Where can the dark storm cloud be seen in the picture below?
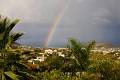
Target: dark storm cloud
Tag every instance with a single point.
(84, 19)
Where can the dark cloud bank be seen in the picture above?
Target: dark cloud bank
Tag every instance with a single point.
(88, 20)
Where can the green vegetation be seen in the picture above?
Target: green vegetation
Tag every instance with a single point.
(75, 62)
(10, 66)
(7, 38)
(81, 53)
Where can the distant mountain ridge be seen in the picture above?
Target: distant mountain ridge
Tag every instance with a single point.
(106, 45)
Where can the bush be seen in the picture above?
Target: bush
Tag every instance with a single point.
(106, 69)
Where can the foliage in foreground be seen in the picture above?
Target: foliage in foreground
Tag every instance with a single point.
(81, 53)
(7, 38)
(10, 66)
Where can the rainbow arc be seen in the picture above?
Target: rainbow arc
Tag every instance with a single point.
(55, 25)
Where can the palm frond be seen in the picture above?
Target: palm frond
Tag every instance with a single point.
(12, 38)
(6, 26)
(26, 75)
(3, 77)
(80, 52)
(16, 36)
(3, 24)
(11, 26)
(11, 75)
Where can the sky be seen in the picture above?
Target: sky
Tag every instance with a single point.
(83, 19)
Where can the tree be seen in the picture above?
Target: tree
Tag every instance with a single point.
(54, 62)
(7, 38)
(80, 53)
(9, 61)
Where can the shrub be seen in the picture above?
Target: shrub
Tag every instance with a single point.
(106, 69)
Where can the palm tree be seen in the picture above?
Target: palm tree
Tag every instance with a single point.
(6, 36)
(9, 61)
(6, 39)
(80, 53)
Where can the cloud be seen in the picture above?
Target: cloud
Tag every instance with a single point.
(85, 19)
(101, 16)
(33, 10)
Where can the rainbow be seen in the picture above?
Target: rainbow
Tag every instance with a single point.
(54, 26)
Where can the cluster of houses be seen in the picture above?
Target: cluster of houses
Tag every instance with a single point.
(47, 52)
(105, 51)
